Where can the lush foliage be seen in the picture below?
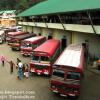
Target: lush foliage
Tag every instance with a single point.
(18, 5)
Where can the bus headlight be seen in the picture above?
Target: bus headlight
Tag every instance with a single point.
(46, 72)
(32, 70)
(39, 73)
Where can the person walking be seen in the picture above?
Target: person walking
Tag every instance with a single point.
(2, 58)
(11, 66)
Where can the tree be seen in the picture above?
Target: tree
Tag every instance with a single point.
(22, 5)
(19, 5)
(7, 4)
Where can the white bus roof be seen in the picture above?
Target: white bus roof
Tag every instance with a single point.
(34, 38)
(70, 57)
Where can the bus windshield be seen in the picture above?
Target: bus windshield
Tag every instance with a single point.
(35, 58)
(34, 46)
(26, 45)
(73, 75)
(58, 73)
(41, 59)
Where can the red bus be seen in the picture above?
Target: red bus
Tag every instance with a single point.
(11, 35)
(6, 30)
(16, 41)
(44, 56)
(68, 71)
(29, 44)
(15, 33)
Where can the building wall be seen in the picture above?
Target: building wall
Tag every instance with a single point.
(94, 42)
(36, 30)
(46, 32)
(24, 28)
(59, 34)
(29, 29)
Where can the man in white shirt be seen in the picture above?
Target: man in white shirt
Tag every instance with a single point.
(20, 64)
(20, 73)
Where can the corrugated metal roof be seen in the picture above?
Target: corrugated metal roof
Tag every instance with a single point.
(61, 6)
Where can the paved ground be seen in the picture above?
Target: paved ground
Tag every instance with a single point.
(36, 87)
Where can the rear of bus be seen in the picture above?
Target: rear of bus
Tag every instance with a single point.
(29, 44)
(44, 56)
(68, 71)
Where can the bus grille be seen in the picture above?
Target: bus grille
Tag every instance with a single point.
(64, 88)
(39, 67)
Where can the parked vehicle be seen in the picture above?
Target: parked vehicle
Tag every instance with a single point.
(29, 44)
(16, 41)
(7, 30)
(44, 56)
(2, 36)
(17, 28)
(12, 35)
(68, 71)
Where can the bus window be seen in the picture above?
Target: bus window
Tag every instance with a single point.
(34, 46)
(58, 73)
(73, 75)
(45, 59)
(26, 45)
(35, 58)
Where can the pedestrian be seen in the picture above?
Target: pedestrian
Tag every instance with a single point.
(11, 66)
(20, 72)
(23, 68)
(26, 73)
(2, 58)
(18, 60)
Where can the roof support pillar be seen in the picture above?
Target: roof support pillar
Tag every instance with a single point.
(89, 16)
(34, 22)
(45, 21)
(61, 22)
